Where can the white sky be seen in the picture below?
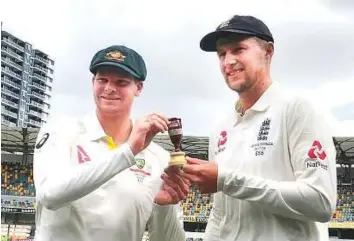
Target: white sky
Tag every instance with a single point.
(314, 55)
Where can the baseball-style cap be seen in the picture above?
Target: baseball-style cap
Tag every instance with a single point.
(121, 57)
(243, 25)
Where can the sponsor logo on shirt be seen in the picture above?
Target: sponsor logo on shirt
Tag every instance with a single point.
(317, 155)
(82, 155)
(262, 144)
(221, 142)
(141, 169)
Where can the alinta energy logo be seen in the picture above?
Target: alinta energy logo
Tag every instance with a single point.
(317, 155)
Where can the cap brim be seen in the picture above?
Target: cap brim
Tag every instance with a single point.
(94, 68)
(208, 42)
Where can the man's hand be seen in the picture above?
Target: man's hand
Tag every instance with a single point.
(203, 174)
(174, 187)
(144, 130)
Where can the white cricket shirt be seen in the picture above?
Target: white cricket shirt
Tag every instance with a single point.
(277, 173)
(87, 189)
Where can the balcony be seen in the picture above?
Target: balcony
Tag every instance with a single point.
(10, 83)
(41, 87)
(42, 60)
(40, 68)
(11, 73)
(35, 123)
(7, 123)
(13, 44)
(37, 95)
(8, 113)
(9, 103)
(36, 114)
(36, 104)
(39, 77)
(11, 53)
(10, 93)
(11, 63)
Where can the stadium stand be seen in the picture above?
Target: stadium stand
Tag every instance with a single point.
(18, 191)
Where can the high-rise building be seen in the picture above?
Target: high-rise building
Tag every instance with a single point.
(26, 83)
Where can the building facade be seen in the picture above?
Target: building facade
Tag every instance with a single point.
(26, 83)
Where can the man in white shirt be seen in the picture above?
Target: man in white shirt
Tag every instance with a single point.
(272, 160)
(99, 177)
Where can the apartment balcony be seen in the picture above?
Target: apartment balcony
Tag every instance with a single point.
(9, 103)
(40, 68)
(35, 113)
(11, 63)
(39, 96)
(11, 53)
(41, 87)
(42, 60)
(8, 113)
(10, 93)
(35, 123)
(11, 73)
(7, 123)
(10, 83)
(39, 77)
(13, 44)
(36, 104)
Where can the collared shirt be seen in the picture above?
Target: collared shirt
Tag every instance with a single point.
(90, 189)
(276, 175)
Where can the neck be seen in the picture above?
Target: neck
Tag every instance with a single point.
(249, 97)
(116, 126)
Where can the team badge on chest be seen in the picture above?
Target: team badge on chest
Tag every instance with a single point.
(142, 169)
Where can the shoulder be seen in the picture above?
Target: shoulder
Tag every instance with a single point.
(60, 128)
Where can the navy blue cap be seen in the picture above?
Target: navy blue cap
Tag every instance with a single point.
(238, 24)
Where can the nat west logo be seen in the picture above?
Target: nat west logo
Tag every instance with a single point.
(82, 155)
(222, 141)
(317, 155)
(316, 151)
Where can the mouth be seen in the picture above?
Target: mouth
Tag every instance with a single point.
(110, 98)
(234, 72)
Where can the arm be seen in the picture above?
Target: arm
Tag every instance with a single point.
(212, 231)
(165, 224)
(312, 196)
(166, 221)
(59, 183)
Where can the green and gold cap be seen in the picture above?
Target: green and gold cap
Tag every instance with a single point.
(121, 57)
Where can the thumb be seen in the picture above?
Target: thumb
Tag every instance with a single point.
(194, 161)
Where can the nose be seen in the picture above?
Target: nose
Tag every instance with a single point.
(229, 60)
(109, 87)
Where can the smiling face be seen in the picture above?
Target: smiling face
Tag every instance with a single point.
(243, 61)
(114, 90)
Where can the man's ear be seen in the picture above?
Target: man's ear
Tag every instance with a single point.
(140, 86)
(269, 50)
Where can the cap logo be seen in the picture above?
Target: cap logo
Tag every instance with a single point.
(115, 55)
(224, 24)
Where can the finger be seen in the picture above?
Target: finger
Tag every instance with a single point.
(192, 178)
(180, 182)
(161, 121)
(192, 160)
(156, 126)
(161, 117)
(174, 186)
(191, 169)
(173, 194)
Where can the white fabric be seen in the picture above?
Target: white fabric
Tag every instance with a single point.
(272, 182)
(85, 191)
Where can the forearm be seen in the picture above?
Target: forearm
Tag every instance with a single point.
(165, 224)
(293, 199)
(62, 187)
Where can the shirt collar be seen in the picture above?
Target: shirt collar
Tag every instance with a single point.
(93, 127)
(267, 98)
